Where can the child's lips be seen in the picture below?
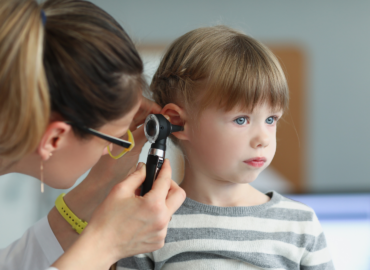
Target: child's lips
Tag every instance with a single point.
(256, 162)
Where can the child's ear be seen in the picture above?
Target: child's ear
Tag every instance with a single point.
(177, 116)
(54, 137)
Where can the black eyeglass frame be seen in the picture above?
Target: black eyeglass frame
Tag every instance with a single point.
(111, 139)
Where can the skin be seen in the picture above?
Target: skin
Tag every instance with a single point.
(67, 157)
(216, 147)
(121, 224)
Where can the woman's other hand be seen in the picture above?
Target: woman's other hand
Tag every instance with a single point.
(147, 107)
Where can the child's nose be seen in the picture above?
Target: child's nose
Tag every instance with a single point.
(260, 140)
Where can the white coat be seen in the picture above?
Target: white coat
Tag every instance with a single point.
(37, 249)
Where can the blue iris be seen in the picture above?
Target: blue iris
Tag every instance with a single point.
(240, 120)
(270, 120)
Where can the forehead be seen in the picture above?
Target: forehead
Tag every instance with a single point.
(214, 114)
(261, 107)
(264, 108)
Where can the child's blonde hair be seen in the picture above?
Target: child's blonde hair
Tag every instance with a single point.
(219, 66)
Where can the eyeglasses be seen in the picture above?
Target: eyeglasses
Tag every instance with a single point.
(123, 146)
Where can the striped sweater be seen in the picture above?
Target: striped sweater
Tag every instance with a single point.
(280, 234)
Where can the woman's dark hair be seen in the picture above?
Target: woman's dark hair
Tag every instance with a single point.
(78, 65)
(92, 67)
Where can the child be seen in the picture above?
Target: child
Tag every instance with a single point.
(228, 91)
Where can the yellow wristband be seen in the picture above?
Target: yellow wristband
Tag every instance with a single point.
(77, 224)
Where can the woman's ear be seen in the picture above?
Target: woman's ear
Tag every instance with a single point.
(177, 116)
(54, 137)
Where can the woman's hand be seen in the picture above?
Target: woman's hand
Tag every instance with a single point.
(126, 224)
(147, 107)
(138, 224)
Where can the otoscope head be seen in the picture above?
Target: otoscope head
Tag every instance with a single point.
(157, 128)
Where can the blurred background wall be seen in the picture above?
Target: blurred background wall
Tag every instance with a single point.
(332, 39)
(335, 38)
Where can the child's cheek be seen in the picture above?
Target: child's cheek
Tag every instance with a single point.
(273, 148)
(216, 148)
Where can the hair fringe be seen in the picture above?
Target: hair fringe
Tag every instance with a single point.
(219, 66)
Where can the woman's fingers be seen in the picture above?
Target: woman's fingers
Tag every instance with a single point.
(138, 224)
(175, 198)
(162, 184)
(133, 181)
(164, 188)
(147, 107)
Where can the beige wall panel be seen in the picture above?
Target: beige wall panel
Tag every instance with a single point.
(291, 140)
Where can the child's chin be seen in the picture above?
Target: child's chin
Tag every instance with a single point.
(248, 178)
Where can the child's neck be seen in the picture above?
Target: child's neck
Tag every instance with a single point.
(203, 189)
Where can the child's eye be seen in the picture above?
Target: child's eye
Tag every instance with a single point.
(241, 120)
(271, 120)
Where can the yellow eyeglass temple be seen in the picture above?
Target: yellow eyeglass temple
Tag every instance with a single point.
(131, 140)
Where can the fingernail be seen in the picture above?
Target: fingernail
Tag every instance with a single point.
(139, 166)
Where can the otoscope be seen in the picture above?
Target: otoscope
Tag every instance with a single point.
(157, 128)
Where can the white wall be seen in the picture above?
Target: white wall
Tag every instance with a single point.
(336, 37)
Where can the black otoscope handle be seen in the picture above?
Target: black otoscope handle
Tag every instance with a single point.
(153, 166)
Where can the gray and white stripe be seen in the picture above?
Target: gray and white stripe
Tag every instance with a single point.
(281, 234)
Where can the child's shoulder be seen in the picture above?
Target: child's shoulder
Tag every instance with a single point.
(295, 209)
(278, 206)
(292, 214)
(285, 202)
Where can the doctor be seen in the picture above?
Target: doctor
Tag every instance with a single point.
(71, 87)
